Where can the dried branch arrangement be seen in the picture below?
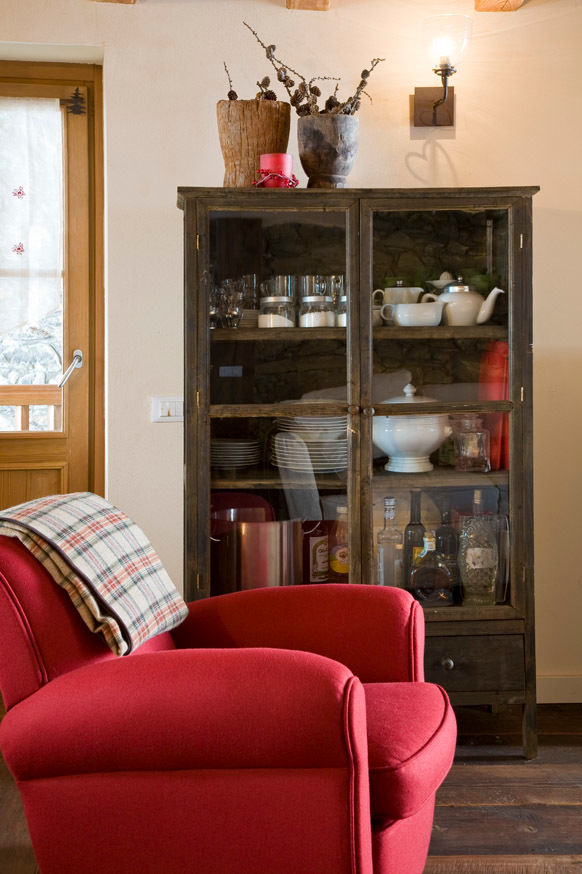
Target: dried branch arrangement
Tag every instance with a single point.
(303, 93)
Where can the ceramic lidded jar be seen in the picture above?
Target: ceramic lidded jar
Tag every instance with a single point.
(408, 440)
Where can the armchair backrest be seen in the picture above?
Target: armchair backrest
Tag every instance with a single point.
(41, 633)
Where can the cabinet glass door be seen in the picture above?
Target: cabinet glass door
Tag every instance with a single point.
(277, 329)
(439, 387)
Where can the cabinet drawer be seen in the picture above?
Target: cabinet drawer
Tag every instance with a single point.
(491, 663)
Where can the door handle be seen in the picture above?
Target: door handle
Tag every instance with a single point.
(76, 362)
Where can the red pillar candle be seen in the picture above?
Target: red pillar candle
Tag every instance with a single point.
(276, 162)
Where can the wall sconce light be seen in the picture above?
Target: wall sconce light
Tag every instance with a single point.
(445, 38)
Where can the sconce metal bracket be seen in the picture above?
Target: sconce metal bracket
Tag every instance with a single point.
(423, 103)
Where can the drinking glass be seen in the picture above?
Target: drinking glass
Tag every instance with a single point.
(233, 296)
(215, 308)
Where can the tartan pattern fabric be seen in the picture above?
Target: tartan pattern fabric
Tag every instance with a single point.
(104, 562)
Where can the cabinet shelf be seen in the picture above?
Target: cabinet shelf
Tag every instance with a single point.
(253, 478)
(440, 478)
(386, 332)
(262, 478)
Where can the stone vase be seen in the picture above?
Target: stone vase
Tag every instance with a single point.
(246, 130)
(328, 145)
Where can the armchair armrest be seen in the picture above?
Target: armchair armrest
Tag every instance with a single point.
(188, 710)
(377, 632)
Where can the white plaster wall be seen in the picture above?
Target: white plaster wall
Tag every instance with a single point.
(519, 122)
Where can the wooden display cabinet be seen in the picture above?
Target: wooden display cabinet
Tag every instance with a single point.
(253, 384)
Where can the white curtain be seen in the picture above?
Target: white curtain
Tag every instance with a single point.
(31, 223)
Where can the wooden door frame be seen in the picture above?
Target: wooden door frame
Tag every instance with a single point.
(89, 77)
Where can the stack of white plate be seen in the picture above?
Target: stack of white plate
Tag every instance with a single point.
(234, 452)
(315, 429)
(249, 319)
(291, 452)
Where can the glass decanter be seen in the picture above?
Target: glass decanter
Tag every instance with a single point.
(430, 578)
(478, 557)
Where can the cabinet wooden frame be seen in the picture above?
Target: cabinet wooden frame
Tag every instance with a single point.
(509, 626)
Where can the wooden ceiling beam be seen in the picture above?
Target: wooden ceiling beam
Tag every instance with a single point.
(319, 5)
(498, 5)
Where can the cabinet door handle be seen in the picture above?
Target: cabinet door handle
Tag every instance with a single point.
(447, 663)
(368, 411)
(353, 409)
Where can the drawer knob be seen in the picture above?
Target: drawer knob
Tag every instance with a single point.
(447, 663)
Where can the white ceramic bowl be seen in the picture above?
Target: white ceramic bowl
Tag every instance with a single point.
(407, 315)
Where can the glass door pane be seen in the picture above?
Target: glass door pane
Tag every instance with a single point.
(31, 263)
(440, 390)
(277, 279)
(280, 449)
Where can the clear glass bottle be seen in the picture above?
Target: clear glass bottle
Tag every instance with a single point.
(473, 445)
(447, 544)
(478, 556)
(317, 312)
(389, 570)
(342, 312)
(413, 535)
(430, 578)
(339, 557)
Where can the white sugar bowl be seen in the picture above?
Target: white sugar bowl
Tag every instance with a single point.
(408, 440)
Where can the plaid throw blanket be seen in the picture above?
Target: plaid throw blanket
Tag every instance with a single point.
(104, 562)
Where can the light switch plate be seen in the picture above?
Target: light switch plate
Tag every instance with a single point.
(168, 409)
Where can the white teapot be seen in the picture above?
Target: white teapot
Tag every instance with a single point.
(462, 305)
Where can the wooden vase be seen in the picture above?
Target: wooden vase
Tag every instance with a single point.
(247, 129)
(328, 145)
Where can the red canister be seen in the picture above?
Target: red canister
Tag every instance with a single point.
(278, 163)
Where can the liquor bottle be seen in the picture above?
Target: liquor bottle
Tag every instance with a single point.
(389, 571)
(447, 544)
(430, 579)
(413, 535)
(478, 557)
(315, 552)
(339, 557)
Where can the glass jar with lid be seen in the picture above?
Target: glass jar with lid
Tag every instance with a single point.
(277, 312)
(342, 311)
(472, 444)
(317, 312)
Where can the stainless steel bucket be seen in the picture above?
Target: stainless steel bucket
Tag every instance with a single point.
(253, 555)
(270, 554)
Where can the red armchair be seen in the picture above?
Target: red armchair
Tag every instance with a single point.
(275, 731)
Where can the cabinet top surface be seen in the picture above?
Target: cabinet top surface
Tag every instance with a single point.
(276, 195)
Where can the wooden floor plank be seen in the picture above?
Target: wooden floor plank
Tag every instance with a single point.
(522, 830)
(504, 865)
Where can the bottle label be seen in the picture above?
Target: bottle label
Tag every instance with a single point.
(416, 550)
(339, 559)
(380, 567)
(478, 557)
(318, 559)
(398, 572)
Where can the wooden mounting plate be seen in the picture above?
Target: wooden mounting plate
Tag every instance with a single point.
(422, 104)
